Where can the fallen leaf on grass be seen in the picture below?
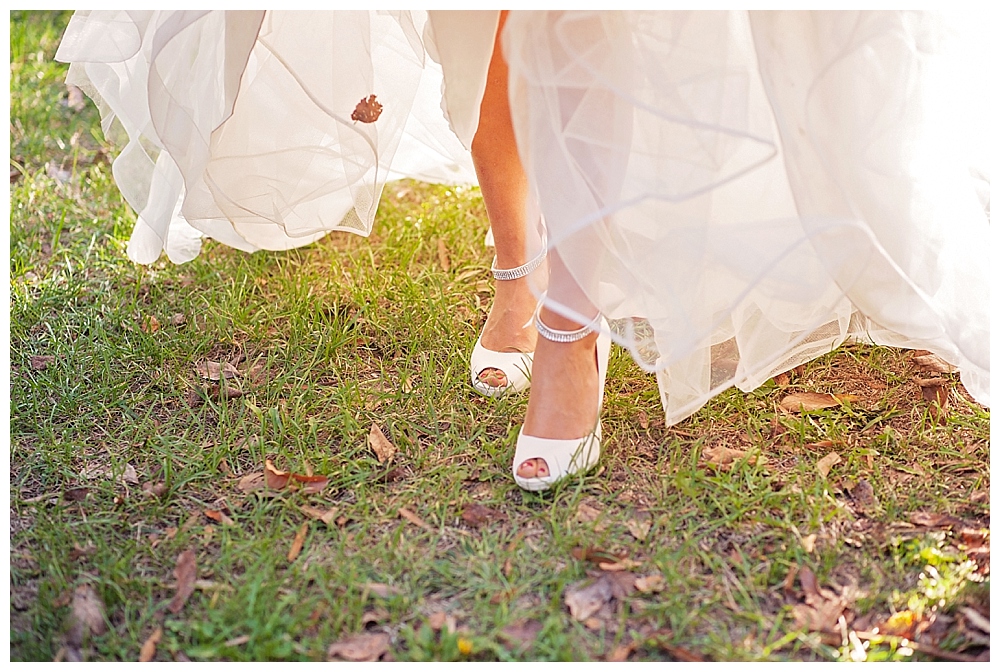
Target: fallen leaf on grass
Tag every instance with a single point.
(679, 653)
(251, 482)
(595, 555)
(643, 419)
(319, 514)
(863, 495)
(720, 457)
(650, 584)
(443, 256)
(638, 528)
(384, 450)
(155, 489)
(930, 362)
(216, 370)
(809, 543)
(237, 641)
(148, 650)
(149, 325)
(274, 477)
(782, 379)
(381, 589)
(219, 517)
(414, 518)
(621, 653)
(619, 566)
(477, 515)
(935, 391)
(821, 608)
(41, 362)
(75, 494)
(826, 464)
(365, 647)
(311, 484)
(178, 319)
(186, 572)
(814, 401)
(86, 618)
(585, 598)
(585, 513)
(521, 634)
(300, 539)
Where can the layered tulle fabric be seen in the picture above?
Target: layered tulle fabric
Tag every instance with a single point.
(740, 191)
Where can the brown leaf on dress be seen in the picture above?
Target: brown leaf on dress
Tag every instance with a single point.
(365, 647)
(186, 572)
(367, 111)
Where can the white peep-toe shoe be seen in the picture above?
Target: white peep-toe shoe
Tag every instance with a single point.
(515, 366)
(565, 457)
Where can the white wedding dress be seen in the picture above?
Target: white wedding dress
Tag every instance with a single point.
(743, 191)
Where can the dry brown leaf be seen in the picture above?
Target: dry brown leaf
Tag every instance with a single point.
(274, 477)
(75, 494)
(384, 450)
(41, 362)
(620, 566)
(443, 256)
(585, 513)
(521, 634)
(437, 620)
(311, 484)
(219, 517)
(157, 489)
(148, 650)
(477, 515)
(821, 608)
(826, 464)
(595, 555)
(809, 543)
(150, 325)
(129, 476)
(414, 518)
(814, 401)
(319, 514)
(864, 495)
(186, 572)
(679, 653)
(720, 457)
(782, 379)
(585, 598)
(251, 482)
(216, 370)
(650, 584)
(365, 647)
(638, 528)
(643, 419)
(237, 641)
(621, 653)
(931, 362)
(381, 589)
(178, 319)
(86, 614)
(300, 538)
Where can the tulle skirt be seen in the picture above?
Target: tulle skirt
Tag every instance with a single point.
(740, 191)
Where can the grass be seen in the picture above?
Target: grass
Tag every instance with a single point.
(348, 332)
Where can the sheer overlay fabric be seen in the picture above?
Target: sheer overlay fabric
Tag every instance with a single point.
(739, 191)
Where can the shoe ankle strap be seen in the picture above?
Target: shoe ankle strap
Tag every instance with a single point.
(520, 271)
(560, 336)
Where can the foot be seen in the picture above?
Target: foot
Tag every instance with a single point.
(505, 330)
(563, 397)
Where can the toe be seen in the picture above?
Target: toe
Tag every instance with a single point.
(493, 377)
(541, 468)
(527, 469)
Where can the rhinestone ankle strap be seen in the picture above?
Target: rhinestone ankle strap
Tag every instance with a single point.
(560, 336)
(520, 271)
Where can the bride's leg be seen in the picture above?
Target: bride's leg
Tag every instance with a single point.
(563, 396)
(505, 189)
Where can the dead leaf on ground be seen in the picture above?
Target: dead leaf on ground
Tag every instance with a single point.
(75, 494)
(863, 495)
(157, 489)
(250, 482)
(381, 589)
(521, 634)
(216, 370)
(148, 650)
(720, 457)
(809, 543)
(319, 514)
(639, 528)
(821, 608)
(585, 598)
(826, 463)
(186, 572)
(364, 647)
(41, 362)
(929, 519)
(274, 477)
(414, 518)
(311, 484)
(621, 653)
(585, 513)
(477, 515)
(935, 391)
(620, 566)
(814, 401)
(931, 362)
(384, 450)
(680, 653)
(782, 379)
(219, 517)
(653, 583)
(178, 319)
(300, 539)
(149, 325)
(86, 614)
(595, 555)
(643, 419)
(443, 256)
(237, 641)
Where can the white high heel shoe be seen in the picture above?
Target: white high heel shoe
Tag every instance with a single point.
(515, 366)
(565, 457)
